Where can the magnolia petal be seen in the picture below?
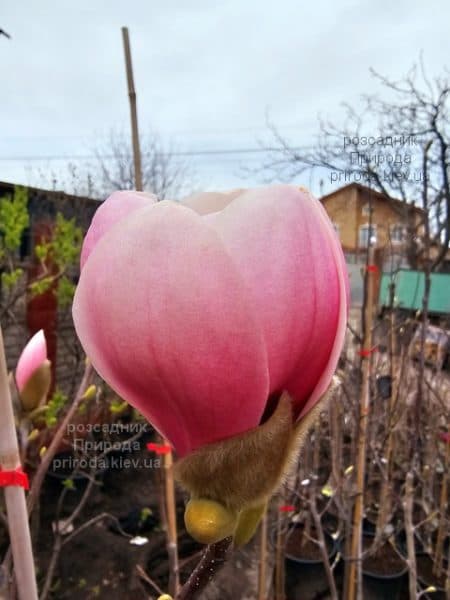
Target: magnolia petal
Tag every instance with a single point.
(115, 208)
(33, 356)
(171, 327)
(208, 202)
(344, 303)
(282, 246)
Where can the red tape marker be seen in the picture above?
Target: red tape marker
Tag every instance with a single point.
(15, 477)
(159, 448)
(287, 508)
(372, 268)
(365, 352)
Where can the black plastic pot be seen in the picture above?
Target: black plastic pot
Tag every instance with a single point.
(377, 587)
(402, 547)
(384, 386)
(426, 582)
(368, 528)
(306, 578)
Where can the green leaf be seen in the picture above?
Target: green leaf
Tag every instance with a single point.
(55, 405)
(42, 250)
(41, 286)
(65, 292)
(10, 279)
(117, 407)
(69, 484)
(14, 218)
(146, 512)
(66, 242)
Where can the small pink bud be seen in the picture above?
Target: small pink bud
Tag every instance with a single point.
(32, 357)
(33, 372)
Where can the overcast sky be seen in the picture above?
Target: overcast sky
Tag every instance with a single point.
(206, 72)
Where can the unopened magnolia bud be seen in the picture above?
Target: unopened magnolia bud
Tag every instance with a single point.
(165, 597)
(89, 394)
(208, 521)
(33, 375)
(33, 435)
(36, 388)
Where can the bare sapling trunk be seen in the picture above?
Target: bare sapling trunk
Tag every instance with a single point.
(172, 544)
(385, 491)
(279, 550)
(323, 549)
(262, 574)
(409, 528)
(443, 516)
(354, 585)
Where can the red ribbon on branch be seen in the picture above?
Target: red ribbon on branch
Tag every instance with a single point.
(372, 268)
(365, 352)
(14, 477)
(287, 508)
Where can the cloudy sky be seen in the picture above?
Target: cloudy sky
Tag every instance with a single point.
(206, 73)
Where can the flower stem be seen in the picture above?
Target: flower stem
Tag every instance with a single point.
(213, 559)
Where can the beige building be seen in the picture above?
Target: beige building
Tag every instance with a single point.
(358, 213)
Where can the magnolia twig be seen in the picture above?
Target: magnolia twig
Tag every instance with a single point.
(213, 559)
(143, 575)
(323, 549)
(57, 438)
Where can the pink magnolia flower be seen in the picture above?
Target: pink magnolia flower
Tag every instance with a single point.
(198, 312)
(33, 356)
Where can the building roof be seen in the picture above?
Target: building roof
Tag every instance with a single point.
(398, 205)
(7, 187)
(44, 205)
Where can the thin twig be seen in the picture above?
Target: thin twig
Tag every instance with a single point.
(143, 575)
(213, 559)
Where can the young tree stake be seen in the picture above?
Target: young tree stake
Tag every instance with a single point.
(16, 507)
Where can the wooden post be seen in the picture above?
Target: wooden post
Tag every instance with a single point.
(262, 574)
(169, 485)
(355, 570)
(133, 111)
(16, 507)
(172, 542)
(279, 550)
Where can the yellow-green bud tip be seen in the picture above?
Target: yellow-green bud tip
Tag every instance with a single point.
(208, 521)
(89, 393)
